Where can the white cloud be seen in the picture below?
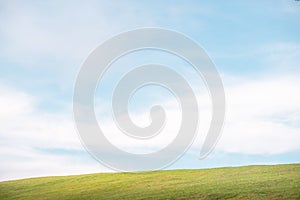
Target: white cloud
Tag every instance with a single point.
(262, 118)
(253, 113)
(29, 138)
(20, 162)
(25, 124)
(61, 31)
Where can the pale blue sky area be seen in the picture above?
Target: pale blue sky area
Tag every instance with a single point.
(255, 45)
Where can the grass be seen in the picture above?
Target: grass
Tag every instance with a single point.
(250, 182)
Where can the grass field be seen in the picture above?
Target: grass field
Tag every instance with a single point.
(250, 182)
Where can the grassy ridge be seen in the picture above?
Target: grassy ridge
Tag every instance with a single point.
(250, 182)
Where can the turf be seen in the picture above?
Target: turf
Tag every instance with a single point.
(249, 182)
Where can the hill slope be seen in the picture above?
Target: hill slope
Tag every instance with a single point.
(251, 182)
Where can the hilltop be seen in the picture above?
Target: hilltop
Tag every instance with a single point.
(249, 182)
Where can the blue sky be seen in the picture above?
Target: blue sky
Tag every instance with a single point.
(255, 45)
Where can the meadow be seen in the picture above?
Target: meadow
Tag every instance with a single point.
(248, 182)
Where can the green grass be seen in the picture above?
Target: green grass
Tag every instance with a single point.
(250, 182)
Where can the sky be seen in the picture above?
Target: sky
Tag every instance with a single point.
(255, 46)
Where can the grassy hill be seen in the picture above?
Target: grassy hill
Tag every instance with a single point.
(250, 182)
